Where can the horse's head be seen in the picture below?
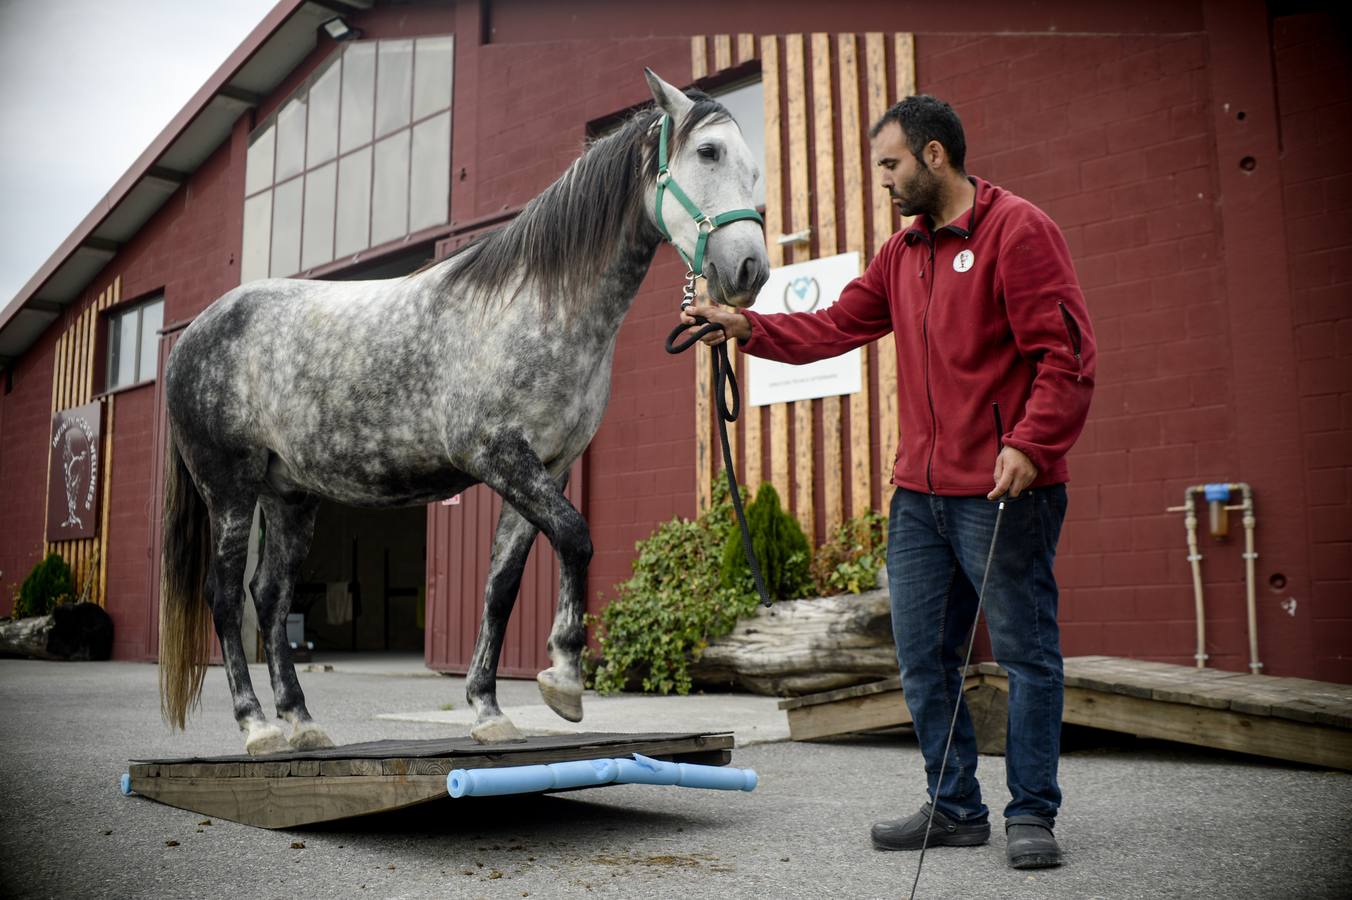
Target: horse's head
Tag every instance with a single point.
(709, 174)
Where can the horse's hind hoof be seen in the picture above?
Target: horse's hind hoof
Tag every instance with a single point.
(497, 730)
(265, 739)
(563, 694)
(309, 737)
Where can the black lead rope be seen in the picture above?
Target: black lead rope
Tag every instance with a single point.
(723, 377)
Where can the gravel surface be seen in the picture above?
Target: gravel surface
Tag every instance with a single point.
(1141, 819)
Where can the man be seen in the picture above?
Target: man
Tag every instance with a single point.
(995, 362)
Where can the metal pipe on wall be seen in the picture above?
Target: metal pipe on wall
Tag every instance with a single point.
(1219, 493)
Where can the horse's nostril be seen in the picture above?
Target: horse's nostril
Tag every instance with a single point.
(751, 275)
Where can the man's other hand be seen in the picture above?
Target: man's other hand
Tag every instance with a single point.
(1014, 471)
(734, 323)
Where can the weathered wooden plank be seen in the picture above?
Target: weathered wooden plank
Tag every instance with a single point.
(847, 693)
(265, 769)
(294, 801)
(351, 767)
(201, 770)
(677, 748)
(1221, 729)
(867, 713)
(303, 767)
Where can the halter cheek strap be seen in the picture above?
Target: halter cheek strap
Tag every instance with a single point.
(705, 224)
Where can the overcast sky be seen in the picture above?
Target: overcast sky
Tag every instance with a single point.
(86, 86)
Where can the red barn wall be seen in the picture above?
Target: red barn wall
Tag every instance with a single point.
(1314, 93)
(1219, 294)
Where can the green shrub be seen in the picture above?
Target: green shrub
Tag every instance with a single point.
(780, 547)
(848, 562)
(665, 615)
(48, 584)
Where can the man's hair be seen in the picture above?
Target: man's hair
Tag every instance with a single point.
(923, 119)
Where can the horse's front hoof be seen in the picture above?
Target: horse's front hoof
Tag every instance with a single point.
(497, 730)
(309, 736)
(562, 693)
(265, 739)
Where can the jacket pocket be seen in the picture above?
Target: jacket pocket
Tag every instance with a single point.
(1073, 334)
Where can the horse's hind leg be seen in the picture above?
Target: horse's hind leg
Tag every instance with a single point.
(231, 515)
(289, 528)
(511, 546)
(521, 479)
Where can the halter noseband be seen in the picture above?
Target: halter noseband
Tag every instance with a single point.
(706, 225)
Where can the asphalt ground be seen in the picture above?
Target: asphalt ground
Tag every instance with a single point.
(1140, 819)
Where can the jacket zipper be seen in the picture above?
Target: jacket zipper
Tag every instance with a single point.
(929, 391)
(1073, 333)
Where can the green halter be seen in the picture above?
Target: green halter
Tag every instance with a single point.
(706, 225)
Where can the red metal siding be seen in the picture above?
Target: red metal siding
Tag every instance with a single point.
(1314, 94)
(460, 545)
(1219, 296)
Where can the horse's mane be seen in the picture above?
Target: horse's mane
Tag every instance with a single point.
(585, 216)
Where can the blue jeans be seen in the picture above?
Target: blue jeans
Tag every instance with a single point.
(936, 555)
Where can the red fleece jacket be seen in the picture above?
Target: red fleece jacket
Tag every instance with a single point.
(984, 311)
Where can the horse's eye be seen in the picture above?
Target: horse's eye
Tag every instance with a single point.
(708, 151)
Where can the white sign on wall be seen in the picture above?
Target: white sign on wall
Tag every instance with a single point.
(804, 287)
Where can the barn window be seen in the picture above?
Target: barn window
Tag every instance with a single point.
(357, 157)
(746, 102)
(133, 343)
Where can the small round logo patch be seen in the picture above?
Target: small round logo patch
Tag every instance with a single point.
(802, 294)
(963, 261)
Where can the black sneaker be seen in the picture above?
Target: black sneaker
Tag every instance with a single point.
(1030, 843)
(909, 833)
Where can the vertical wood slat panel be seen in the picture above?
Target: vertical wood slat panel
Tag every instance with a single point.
(746, 48)
(804, 455)
(824, 160)
(797, 218)
(903, 86)
(875, 78)
(699, 57)
(722, 52)
(774, 226)
(704, 466)
(855, 171)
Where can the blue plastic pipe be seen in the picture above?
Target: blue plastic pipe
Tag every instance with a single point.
(124, 784)
(592, 772)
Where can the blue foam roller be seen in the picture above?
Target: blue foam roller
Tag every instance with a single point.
(644, 770)
(124, 784)
(529, 779)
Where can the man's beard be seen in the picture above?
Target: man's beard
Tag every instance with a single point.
(921, 195)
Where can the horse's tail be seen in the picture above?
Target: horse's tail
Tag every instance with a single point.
(185, 619)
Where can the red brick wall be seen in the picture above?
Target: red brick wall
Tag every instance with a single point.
(1113, 137)
(24, 426)
(1314, 94)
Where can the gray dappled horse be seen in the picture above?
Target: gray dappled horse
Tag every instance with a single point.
(490, 367)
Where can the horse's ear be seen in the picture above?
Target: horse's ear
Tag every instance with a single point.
(669, 99)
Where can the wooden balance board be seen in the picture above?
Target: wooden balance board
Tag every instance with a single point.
(286, 790)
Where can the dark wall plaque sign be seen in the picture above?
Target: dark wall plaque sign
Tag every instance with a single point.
(76, 469)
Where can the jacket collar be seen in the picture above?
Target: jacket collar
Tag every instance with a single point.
(920, 228)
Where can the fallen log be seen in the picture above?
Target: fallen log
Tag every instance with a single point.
(804, 646)
(73, 631)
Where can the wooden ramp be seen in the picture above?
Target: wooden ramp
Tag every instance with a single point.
(1286, 718)
(286, 790)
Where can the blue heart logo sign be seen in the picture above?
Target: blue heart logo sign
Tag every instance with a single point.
(802, 294)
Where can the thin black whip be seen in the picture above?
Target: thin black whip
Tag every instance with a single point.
(723, 376)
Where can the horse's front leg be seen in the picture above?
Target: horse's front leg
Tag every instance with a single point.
(517, 474)
(511, 546)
